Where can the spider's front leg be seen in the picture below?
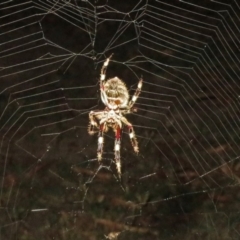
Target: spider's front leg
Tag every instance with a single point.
(117, 148)
(132, 135)
(100, 141)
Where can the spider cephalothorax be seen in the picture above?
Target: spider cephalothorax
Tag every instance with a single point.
(115, 96)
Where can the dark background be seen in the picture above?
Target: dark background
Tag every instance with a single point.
(184, 184)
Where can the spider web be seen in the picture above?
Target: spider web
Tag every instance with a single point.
(184, 184)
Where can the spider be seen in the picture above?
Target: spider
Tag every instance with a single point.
(115, 97)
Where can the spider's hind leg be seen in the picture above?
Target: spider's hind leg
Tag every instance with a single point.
(136, 94)
(104, 69)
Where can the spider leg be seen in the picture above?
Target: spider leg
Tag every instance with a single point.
(100, 142)
(117, 149)
(136, 94)
(132, 135)
(102, 79)
(93, 115)
(103, 70)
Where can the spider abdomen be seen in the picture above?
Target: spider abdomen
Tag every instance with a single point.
(116, 91)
